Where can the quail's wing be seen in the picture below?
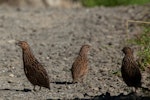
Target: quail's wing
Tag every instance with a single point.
(78, 67)
(41, 74)
(131, 69)
(136, 73)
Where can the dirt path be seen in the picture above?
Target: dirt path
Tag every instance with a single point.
(56, 36)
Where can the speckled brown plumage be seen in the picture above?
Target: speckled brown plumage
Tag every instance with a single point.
(80, 66)
(130, 70)
(34, 71)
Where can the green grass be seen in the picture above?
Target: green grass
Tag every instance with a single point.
(143, 41)
(92, 3)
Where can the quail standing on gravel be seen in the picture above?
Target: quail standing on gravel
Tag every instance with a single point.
(34, 70)
(130, 70)
(80, 66)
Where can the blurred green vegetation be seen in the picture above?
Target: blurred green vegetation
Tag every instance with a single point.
(143, 41)
(92, 3)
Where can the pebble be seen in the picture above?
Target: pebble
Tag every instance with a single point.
(11, 75)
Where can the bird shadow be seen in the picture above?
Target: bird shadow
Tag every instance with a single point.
(24, 90)
(107, 96)
(62, 83)
(130, 96)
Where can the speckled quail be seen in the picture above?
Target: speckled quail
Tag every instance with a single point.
(34, 70)
(80, 66)
(130, 70)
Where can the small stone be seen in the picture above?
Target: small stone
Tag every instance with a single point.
(11, 41)
(11, 75)
(47, 58)
(96, 88)
(68, 87)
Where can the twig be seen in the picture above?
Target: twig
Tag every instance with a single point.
(133, 21)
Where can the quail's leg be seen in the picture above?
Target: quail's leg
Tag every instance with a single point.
(34, 88)
(40, 88)
(83, 79)
(75, 83)
(135, 90)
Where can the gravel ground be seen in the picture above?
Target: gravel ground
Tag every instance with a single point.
(55, 36)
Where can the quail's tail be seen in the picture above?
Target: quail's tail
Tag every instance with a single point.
(48, 87)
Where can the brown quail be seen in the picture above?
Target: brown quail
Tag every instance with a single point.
(130, 70)
(34, 71)
(80, 66)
